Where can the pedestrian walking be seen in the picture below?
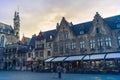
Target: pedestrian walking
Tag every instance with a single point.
(53, 70)
(59, 70)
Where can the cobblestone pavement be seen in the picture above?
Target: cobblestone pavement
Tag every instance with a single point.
(18, 75)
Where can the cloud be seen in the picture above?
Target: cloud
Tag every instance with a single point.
(43, 15)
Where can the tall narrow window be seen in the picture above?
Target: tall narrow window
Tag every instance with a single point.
(48, 54)
(61, 48)
(82, 44)
(92, 44)
(100, 42)
(55, 46)
(99, 30)
(67, 47)
(108, 42)
(66, 35)
(73, 45)
(60, 37)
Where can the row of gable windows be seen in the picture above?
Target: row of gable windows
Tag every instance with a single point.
(99, 43)
(64, 36)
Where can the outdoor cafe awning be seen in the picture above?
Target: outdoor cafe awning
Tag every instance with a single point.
(113, 56)
(49, 59)
(58, 59)
(74, 58)
(94, 57)
(97, 57)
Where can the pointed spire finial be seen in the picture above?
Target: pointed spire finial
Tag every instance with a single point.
(97, 14)
(63, 21)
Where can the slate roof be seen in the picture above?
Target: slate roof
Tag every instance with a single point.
(32, 41)
(48, 33)
(111, 21)
(6, 28)
(81, 27)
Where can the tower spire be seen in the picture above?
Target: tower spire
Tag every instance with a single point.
(16, 22)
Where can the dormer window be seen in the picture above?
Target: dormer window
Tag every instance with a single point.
(82, 32)
(51, 37)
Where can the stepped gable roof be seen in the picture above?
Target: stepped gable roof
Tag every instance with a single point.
(111, 21)
(40, 36)
(23, 40)
(49, 34)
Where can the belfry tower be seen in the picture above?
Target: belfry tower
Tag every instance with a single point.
(16, 25)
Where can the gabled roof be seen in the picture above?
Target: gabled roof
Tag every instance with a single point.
(111, 21)
(40, 36)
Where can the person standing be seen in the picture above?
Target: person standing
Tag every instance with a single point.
(59, 70)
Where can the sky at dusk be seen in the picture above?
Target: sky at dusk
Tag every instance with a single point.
(42, 15)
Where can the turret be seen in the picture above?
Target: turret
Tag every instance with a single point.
(16, 25)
